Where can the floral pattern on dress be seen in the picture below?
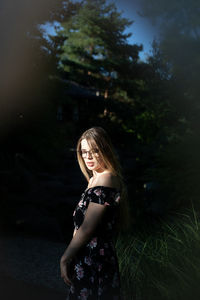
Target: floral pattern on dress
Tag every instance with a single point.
(79, 271)
(95, 267)
(84, 293)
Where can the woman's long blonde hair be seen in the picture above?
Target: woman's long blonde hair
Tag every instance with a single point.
(98, 138)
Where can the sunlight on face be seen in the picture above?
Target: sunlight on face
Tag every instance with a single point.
(91, 157)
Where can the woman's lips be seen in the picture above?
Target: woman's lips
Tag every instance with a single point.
(90, 164)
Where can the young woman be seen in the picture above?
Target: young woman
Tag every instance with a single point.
(89, 265)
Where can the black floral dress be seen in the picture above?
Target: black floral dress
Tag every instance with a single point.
(94, 270)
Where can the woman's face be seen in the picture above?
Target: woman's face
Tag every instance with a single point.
(91, 157)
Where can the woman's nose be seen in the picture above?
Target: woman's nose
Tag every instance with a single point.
(89, 154)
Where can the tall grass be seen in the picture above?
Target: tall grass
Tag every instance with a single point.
(164, 262)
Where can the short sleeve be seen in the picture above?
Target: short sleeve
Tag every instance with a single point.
(103, 195)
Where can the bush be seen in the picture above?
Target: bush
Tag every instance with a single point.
(164, 263)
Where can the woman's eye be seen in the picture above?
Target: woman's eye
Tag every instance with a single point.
(83, 152)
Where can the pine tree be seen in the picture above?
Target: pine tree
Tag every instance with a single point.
(96, 53)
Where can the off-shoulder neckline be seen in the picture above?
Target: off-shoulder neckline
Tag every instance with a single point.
(102, 186)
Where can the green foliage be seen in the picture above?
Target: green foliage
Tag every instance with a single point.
(171, 106)
(162, 262)
(178, 170)
(95, 48)
(179, 43)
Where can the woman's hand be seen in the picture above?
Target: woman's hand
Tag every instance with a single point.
(65, 271)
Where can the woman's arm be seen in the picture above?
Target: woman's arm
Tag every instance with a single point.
(92, 218)
(81, 236)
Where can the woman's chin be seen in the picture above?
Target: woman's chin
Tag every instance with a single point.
(91, 167)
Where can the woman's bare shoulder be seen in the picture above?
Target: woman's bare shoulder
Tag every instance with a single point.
(108, 179)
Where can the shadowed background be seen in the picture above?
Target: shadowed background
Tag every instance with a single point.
(67, 66)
